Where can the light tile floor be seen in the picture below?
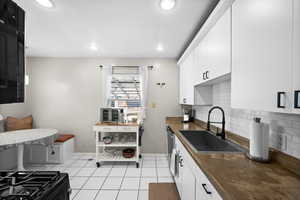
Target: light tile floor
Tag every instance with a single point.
(113, 180)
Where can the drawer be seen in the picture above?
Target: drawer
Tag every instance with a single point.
(205, 190)
(127, 129)
(106, 128)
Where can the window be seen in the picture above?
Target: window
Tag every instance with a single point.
(125, 87)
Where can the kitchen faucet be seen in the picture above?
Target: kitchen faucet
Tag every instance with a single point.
(222, 134)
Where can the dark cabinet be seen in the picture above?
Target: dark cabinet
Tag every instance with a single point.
(12, 65)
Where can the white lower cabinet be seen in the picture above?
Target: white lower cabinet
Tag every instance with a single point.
(188, 182)
(191, 182)
(205, 190)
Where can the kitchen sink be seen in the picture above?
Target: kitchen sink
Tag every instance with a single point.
(204, 141)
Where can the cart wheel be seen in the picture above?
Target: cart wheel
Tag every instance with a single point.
(137, 165)
(98, 164)
(140, 156)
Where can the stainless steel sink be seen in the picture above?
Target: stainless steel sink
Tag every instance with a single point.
(204, 141)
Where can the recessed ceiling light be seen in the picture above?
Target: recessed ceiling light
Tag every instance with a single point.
(167, 4)
(93, 47)
(160, 47)
(45, 3)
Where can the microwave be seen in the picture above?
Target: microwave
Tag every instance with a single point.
(111, 114)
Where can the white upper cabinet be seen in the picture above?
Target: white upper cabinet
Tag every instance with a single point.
(186, 81)
(202, 63)
(210, 59)
(214, 51)
(262, 55)
(296, 58)
(181, 86)
(217, 45)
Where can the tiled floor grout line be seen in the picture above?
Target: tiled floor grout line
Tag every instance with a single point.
(82, 184)
(121, 183)
(89, 179)
(102, 183)
(78, 176)
(140, 177)
(78, 164)
(156, 169)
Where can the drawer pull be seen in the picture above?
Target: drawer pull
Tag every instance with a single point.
(205, 188)
(280, 102)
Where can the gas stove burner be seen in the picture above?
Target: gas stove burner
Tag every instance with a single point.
(15, 191)
(36, 185)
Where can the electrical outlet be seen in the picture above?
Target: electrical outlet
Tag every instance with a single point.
(283, 142)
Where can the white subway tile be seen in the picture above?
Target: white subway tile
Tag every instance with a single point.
(238, 120)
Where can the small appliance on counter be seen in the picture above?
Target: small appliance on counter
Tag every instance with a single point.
(188, 114)
(259, 141)
(112, 115)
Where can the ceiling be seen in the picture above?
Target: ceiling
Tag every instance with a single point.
(118, 28)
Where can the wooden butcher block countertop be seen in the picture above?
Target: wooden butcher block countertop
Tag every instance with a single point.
(236, 177)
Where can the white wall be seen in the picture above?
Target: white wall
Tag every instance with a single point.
(14, 110)
(65, 93)
(237, 121)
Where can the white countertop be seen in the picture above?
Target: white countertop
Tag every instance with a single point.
(23, 136)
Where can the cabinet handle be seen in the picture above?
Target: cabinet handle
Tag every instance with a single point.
(279, 103)
(206, 74)
(296, 100)
(205, 188)
(181, 162)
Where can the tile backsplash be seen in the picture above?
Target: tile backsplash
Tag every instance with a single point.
(284, 128)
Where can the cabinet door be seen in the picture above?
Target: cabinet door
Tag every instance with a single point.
(190, 80)
(296, 63)
(205, 190)
(186, 81)
(200, 192)
(201, 60)
(261, 53)
(218, 47)
(8, 65)
(181, 94)
(188, 182)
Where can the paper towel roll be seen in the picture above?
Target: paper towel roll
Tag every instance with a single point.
(259, 140)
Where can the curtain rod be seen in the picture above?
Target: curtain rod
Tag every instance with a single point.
(149, 67)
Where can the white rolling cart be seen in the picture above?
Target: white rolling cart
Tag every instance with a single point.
(104, 129)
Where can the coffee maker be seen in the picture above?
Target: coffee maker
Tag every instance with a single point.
(188, 114)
